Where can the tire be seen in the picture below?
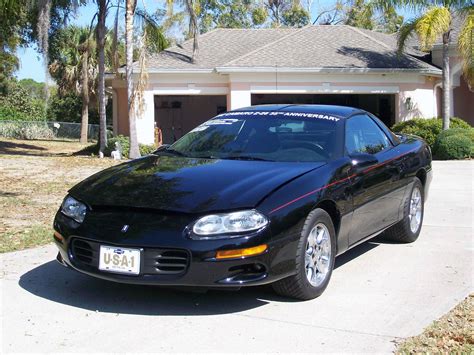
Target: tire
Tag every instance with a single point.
(317, 227)
(404, 231)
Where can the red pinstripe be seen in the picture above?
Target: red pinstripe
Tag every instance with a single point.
(338, 181)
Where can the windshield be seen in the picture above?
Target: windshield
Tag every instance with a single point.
(260, 135)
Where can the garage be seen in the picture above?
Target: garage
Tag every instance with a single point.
(175, 115)
(381, 105)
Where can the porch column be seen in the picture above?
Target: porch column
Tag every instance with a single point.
(239, 96)
(146, 120)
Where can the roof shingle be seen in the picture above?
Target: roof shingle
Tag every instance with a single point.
(334, 47)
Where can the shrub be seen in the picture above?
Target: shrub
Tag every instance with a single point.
(124, 145)
(17, 104)
(22, 130)
(124, 142)
(442, 142)
(428, 129)
(455, 146)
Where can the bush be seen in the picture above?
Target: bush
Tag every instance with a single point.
(124, 144)
(456, 146)
(446, 147)
(428, 129)
(17, 104)
(21, 130)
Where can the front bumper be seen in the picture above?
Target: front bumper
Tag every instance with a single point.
(197, 266)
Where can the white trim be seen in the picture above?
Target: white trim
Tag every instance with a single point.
(368, 79)
(175, 71)
(229, 70)
(324, 89)
(196, 90)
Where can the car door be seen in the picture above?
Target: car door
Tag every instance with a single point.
(374, 205)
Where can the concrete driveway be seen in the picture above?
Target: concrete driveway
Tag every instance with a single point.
(379, 294)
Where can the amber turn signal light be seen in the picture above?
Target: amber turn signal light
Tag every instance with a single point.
(58, 237)
(241, 253)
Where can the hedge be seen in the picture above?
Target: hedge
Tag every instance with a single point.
(428, 129)
(455, 143)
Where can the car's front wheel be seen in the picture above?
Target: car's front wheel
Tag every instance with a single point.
(314, 259)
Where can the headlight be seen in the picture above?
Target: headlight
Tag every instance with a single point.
(225, 223)
(74, 209)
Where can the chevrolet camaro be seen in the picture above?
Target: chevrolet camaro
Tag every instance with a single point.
(263, 194)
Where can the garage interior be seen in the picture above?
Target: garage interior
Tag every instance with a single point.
(381, 105)
(176, 115)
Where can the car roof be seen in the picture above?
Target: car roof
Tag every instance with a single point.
(333, 110)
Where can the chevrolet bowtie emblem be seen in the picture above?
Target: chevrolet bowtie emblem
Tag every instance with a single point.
(124, 228)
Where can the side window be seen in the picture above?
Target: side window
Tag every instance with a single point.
(364, 136)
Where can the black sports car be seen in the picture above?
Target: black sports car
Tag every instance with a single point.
(264, 194)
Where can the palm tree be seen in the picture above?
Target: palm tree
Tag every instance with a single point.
(101, 30)
(434, 23)
(192, 9)
(130, 8)
(152, 39)
(73, 66)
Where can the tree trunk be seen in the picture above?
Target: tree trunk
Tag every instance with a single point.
(85, 97)
(195, 29)
(101, 75)
(129, 14)
(446, 82)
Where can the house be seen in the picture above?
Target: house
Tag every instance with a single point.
(339, 65)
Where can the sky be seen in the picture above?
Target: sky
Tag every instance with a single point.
(31, 63)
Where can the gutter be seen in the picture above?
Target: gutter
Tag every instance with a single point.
(230, 70)
(174, 71)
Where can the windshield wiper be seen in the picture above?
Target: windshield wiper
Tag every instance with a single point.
(245, 157)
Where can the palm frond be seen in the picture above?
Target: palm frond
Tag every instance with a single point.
(466, 48)
(433, 24)
(404, 33)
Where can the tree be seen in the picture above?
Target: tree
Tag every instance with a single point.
(101, 30)
(360, 14)
(296, 16)
(129, 16)
(73, 66)
(12, 20)
(192, 9)
(436, 22)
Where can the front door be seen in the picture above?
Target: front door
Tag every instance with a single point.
(375, 207)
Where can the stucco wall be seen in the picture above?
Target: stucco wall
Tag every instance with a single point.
(463, 102)
(422, 101)
(239, 88)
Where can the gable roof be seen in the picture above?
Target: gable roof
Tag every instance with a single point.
(311, 48)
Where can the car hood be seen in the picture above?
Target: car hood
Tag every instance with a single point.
(187, 184)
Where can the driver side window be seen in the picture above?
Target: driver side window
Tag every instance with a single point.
(364, 136)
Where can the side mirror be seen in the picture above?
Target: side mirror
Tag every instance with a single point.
(363, 160)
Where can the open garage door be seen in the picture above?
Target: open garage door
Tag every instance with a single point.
(177, 115)
(381, 105)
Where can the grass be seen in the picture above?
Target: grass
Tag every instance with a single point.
(34, 178)
(25, 238)
(453, 333)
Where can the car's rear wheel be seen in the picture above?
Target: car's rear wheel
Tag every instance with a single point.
(314, 259)
(408, 229)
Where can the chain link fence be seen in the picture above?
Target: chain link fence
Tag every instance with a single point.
(46, 130)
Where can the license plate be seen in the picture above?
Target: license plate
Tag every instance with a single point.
(121, 260)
